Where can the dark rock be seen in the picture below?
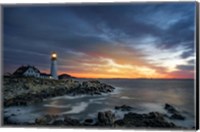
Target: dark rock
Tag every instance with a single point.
(177, 116)
(155, 115)
(45, 120)
(124, 108)
(119, 123)
(5, 120)
(58, 123)
(97, 93)
(94, 81)
(13, 114)
(88, 122)
(153, 119)
(22, 90)
(170, 108)
(71, 122)
(106, 118)
(108, 90)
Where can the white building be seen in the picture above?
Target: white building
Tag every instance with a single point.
(44, 75)
(27, 71)
(34, 72)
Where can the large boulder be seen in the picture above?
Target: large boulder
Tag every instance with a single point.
(170, 108)
(88, 122)
(152, 119)
(71, 122)
(177, 116)
(106, 118)
(175, 113)
(45, 120)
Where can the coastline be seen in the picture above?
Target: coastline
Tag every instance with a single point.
(74, 89)
(28, 90)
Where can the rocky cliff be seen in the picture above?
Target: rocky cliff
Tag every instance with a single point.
(27, 90)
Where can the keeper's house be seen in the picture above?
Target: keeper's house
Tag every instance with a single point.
(30, 71)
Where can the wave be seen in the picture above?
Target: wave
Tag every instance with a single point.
(77, 108)
(68, 97)
(57, 106)
(126, 97)
(96, 99)
(117, 90)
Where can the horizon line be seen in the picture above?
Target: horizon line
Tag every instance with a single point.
(138, 78)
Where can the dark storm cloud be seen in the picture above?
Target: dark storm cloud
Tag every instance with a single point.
(32, 33)
(185, 67)
(187, 54)
(118, 22)
(191, 62)
(180, 33)
(41, 29)
(140, 20)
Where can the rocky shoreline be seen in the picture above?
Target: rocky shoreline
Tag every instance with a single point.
(107, 119)
(26, 90)
(21, 91)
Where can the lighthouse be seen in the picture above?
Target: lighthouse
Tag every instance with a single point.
(54, 65)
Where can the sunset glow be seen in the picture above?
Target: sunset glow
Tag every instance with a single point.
(143, 41)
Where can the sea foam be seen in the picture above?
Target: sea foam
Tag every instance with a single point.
(68, 97)
(57, 106)
(77, 108)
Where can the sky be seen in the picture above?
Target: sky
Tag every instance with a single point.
(135, 40)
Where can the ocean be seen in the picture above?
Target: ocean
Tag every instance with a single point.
(144, 95)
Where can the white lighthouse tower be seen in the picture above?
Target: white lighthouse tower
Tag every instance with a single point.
(54, 65)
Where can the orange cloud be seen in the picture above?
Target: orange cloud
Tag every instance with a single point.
(116, 61)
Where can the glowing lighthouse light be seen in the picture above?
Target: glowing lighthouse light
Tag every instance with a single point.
(54, 65)
(54, 55)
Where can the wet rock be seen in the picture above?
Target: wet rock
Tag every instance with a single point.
(156, 115)
(58, 123)
(124, 108)
(119, 123)
(7, 121)
(13, 114)
(177, 116)
(106, 118)
(170, 108)
(153, 119)
(71, 122)
(88, 122)
(45, 120)
(97, 93)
